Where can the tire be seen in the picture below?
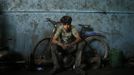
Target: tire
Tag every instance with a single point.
(96, 50)
(40, 51)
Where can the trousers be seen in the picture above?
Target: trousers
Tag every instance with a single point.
(78, 48)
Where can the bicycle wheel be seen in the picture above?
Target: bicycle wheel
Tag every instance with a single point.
(96, 49)
(41, 51)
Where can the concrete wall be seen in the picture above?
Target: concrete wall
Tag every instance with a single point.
(25, 23)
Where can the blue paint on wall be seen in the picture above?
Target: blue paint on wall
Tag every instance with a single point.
(25, 21)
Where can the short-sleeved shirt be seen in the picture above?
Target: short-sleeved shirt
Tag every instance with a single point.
(66, 37)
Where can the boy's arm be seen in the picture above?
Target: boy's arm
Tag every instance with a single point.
(76, 35)
(55, 39)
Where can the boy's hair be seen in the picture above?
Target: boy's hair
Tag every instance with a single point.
(66, 20)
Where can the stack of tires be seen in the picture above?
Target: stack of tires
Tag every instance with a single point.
(11, 60)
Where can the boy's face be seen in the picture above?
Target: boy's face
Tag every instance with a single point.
(67, 27)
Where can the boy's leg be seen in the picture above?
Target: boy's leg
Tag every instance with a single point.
(54, 59)
(78, 58)
(79, 54)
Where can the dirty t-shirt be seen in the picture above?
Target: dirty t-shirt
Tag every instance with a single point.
(66, 37)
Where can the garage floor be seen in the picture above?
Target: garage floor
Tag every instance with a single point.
(103, 71)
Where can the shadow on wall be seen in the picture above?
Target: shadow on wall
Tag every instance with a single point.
(6, 55)
(3, 29)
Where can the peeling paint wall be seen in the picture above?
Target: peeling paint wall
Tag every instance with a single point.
(25, 21)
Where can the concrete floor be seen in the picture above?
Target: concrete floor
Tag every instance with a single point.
(103, 71)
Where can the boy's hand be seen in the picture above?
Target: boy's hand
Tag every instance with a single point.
(69, 45)
(64, 46)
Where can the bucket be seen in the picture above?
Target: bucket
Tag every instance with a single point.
(116, 58)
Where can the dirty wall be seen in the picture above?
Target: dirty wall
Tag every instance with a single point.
(25, 21)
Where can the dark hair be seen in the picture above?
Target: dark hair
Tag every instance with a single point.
(66, 20)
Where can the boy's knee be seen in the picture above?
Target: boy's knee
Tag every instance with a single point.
(81, 45)
(53, 47)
